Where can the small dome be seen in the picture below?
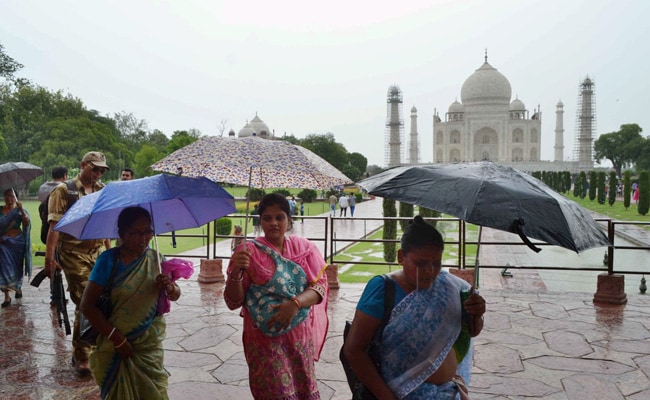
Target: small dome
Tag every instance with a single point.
(246, 131)
(559, 104)
(456, 107)
(260, 127)
(517, 105)
(486, 86)
(414, 110)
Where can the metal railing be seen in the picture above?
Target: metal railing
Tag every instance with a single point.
(335, 246)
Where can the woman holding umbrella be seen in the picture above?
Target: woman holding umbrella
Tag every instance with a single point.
(127, 361)
(280, 283)
(425, 346)
(15, 246)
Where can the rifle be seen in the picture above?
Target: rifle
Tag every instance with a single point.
(60, 301)
(58, 293)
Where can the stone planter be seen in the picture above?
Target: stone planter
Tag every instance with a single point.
(211, 271)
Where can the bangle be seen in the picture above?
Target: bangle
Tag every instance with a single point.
(121, 344)
(110, 334)
(295, 300)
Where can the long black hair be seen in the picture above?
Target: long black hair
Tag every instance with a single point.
(420, 234)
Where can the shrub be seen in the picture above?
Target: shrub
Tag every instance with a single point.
(283, 192)
(308, 195)
(644, 193)
(613, 187)
(601, 188)
(429, 213)
(224, 226)
(405, 212)
(627, 189)
(359, 197)
(390, 230)
(256, 194)
(593, 184)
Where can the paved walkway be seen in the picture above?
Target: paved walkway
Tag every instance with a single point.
(536, 343)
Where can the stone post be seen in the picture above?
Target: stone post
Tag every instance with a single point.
(466, 274)
(211, 271)
(332, 272)
(610, 289)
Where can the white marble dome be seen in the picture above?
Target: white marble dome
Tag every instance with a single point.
(517, 105)
(486, 86)
(256, 127)
(456, 107)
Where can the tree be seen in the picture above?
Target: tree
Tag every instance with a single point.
(644, 193)
(643, 161)
(627, 188)
(327, 148)
(593, 184)
(8, 66)
(613, 188)
(222, 126)
(406, 213)
(621, 147)
(181, 139)
(132, 129)
(601, 188)
(144, 158)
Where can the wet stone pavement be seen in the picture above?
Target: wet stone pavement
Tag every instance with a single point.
(536, 344)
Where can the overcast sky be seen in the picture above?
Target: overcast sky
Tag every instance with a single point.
(316, 67)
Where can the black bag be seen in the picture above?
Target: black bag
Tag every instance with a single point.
(72, 197)
(88, 333)
(359, 392)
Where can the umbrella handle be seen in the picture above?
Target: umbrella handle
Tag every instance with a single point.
(519, 228)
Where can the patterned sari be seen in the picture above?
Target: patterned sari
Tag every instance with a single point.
(281, 364)
(424, 327)
(135, 298)
(15, 252)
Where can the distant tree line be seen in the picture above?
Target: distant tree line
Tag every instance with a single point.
(50, 128)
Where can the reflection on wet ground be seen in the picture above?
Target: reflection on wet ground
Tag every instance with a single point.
(537, 343)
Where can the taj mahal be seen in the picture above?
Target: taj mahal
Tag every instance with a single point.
(487, 124)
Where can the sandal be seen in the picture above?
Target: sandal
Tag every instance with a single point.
(19, 294)
(6, 303)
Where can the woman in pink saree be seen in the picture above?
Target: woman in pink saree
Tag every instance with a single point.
(280, 284)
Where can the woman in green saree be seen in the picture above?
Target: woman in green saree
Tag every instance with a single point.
(127, 362)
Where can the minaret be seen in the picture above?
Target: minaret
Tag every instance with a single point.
(559, 132)
(414, 146)
(394, 136)
(586, 123)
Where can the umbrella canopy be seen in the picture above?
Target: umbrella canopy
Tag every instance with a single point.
(494, 196)
(17, 173)
(253, 161)
(174, 203)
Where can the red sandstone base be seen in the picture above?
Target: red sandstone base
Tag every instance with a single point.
(466, 274)
(332, 271)
(211, 271)
(611, 289)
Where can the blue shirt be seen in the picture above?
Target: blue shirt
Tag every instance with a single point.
(372, 298)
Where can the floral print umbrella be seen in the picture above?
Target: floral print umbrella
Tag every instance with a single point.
(260, 163)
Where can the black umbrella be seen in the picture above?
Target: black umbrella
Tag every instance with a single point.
(495, 196)
(17, 173)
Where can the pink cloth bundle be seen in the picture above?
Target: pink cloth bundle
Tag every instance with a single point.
(176, 269)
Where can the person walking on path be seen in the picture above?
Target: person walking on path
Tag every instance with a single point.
(425, 346)
(279, 282)
(75, 257)
(343, 204)
(352, 202)
(333, 200)
(127, 362)
(15, 246)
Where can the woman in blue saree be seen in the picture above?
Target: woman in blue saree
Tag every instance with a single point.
(127, 361)
(425, 348)
(15, 246)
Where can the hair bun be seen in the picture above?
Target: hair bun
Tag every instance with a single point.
(418, 220)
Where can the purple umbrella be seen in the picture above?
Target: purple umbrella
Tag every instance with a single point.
(174, 203)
